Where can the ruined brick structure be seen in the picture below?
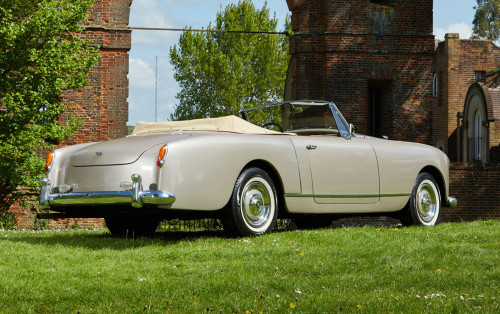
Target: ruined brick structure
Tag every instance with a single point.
(458, 63)
(472, 144)
(102, 105)
(373, 58)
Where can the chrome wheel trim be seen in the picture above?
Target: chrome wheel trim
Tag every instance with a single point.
(257, 204)
(427, 201)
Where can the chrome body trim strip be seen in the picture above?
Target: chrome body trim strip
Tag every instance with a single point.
(347, 196)
(136, 197)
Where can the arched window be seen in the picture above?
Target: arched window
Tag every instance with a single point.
(435, 85)
(477, 135)
(475, 124)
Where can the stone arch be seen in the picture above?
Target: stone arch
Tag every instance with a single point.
(475, 124)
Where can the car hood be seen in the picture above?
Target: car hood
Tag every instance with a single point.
(120, 151)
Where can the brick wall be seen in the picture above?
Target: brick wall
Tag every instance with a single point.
(343, 50)
(102, 105)
(476, 187)
(494, 132)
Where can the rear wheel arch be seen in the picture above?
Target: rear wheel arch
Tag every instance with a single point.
(275, 176)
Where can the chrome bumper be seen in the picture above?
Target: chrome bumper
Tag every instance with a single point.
(136, 197)
(452, 201)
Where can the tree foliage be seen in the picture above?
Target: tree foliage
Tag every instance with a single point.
(487, 20)
(41, 56)
(221, 73)
(487, 26)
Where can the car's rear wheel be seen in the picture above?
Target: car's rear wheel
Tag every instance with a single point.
(424, 206)
(254, 204)
(131, 225)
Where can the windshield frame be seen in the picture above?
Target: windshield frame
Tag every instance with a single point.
(342, 124)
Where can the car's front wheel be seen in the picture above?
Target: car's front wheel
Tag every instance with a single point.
(424, 206)
(254, 204)
(131, 226)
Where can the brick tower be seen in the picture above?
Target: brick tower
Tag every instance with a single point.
(102, 105)
(373, 58)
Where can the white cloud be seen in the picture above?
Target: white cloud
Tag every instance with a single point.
(151, 13)
(142, 81)
(141, 74)
(462, 28)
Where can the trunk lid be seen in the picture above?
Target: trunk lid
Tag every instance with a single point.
(120, 151)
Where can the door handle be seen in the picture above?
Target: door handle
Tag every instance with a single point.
(310, 146)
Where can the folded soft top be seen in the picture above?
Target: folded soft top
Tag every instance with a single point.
(231, 124)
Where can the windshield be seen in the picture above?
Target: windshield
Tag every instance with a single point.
(302, 118)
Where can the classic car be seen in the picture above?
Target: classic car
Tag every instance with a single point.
(297, 159)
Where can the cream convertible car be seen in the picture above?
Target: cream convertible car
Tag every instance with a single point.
(310, 168)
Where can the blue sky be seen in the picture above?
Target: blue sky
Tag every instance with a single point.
(450, 16)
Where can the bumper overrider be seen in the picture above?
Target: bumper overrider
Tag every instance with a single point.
(136, 197)
(452, 201)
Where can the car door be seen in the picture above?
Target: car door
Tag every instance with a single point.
(343, 171)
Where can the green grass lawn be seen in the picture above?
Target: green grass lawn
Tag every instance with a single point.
(448, 268)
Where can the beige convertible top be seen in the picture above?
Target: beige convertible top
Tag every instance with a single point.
(231, 124)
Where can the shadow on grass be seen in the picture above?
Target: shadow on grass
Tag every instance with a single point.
(103, 240)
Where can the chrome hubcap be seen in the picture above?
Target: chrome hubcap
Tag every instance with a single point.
(427, 201)
(257, 203)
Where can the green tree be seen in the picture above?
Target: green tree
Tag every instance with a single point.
(220, 73)
(487, 26)
(41, 56)
(487, 20)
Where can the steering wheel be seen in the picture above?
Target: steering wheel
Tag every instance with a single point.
(274, 124)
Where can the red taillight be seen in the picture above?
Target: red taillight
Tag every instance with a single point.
(161, 156)
(49, 161)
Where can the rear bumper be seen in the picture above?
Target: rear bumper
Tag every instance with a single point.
(136, 197)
